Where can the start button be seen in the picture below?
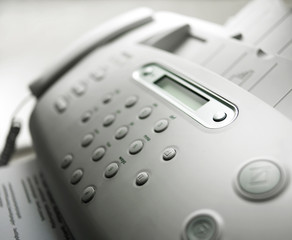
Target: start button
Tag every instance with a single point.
(202, 225)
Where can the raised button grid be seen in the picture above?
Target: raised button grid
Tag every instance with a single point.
(109, 120)
(76, 176)
(98, 153)
(67, 160)
(88, 194)
(111, 170)
(121, 132)
(136, 146)
(87, 140)
(161, 125)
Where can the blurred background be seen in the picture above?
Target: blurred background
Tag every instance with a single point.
(34, 33)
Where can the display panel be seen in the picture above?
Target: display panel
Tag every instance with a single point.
(181, 93)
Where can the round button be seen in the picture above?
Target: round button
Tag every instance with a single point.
(161, 125)
(111, 170)
(148, 71)
(88, 194)
(142, 178)
(67, 160)
(76, 176)
(86, 116)
(87, 140)
(201, 227)
(219, 116)
(260, 179)
(131, 101)
(145, 112)
(79, 89)
(169, 154)
(98, 154)
(136, 147)
(121, 132)
(109, 120)
(107, 98)
(98, 75)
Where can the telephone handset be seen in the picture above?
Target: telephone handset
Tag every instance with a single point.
(97, 38)
(157, 147)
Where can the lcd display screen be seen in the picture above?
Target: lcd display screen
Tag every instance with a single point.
(181, 93)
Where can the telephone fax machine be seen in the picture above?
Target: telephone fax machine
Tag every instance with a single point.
(139, 142)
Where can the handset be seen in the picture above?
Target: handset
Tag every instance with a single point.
(94, 39)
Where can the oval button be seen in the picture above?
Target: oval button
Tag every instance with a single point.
(67, 160)
(98, 153)
(109, 120)
(145, 112)
(131, 101)
(88, 194)
(161, 125)
(111, 170)
(121, 132)
(136, 147)
(76, 176)
(87, 140)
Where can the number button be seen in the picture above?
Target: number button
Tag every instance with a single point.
(87, 140)
(109, 120)
(121, 132)
(145, 112)
(131, 101)
(76, 176)
(111, 170)
(67, 160)
(136, 147)
(88, 194)
(161, 125)
(98, 154)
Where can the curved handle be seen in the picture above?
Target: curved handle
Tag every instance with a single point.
(98, 37)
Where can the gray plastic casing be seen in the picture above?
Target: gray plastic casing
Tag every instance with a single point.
(201, 176)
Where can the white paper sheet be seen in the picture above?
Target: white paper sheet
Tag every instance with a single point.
(27, 208)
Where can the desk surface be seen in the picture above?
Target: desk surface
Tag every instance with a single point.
(33, 33)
